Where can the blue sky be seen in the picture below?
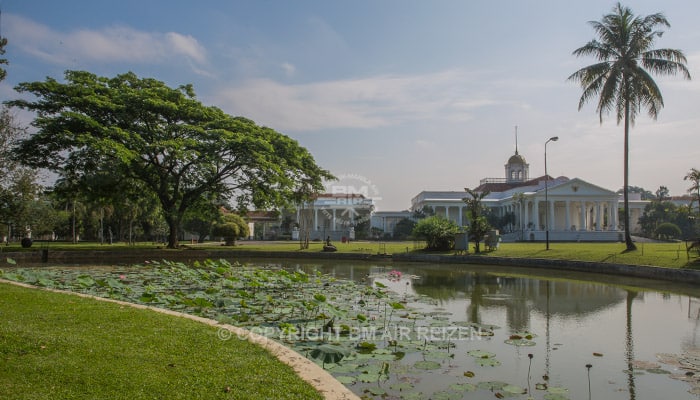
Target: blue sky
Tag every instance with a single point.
(403, 95)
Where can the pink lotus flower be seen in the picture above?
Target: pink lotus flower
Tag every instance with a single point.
(395, 275)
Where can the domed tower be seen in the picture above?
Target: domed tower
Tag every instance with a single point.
(517, 169)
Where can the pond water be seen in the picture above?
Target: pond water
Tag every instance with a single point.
(640, 337)
(475, 332)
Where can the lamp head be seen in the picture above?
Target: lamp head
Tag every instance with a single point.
(554, 138)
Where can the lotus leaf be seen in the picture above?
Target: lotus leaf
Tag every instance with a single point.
(492, 385)
(481, 354)
(514, 389)
(520, 342)
(329, 353)
(487, 362)
(377, 391)
(463, 387)
(446, 395)
(413, 396)
(426, 365)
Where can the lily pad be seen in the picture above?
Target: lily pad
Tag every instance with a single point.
(426, 365)
(514, 389)
(377, 391)
(463, 387)
(520, 342)
(446, 395)
(481, 354)
(487, 362)
(492, 385)
(329, 353)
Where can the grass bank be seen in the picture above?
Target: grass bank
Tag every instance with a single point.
(59, 346)
(668, 255)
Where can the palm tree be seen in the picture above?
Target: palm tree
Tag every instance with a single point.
(694, 190)
(694, 177)
(478, 225)
(621, 78)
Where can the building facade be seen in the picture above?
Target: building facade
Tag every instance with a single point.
(570, 209)
(335, 216)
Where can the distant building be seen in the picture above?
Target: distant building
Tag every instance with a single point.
(336, 216)
(386, 221)
(576, 210)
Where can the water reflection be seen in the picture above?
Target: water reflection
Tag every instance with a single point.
(614, 324)
(629, 343)
(519, 297)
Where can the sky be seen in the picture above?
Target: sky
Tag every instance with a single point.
(393, 96)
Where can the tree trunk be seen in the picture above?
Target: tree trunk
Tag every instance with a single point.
(173, 224)
(628, 237)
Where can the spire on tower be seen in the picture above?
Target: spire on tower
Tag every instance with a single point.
(516, 140)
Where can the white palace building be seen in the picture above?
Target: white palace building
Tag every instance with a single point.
(576, 210)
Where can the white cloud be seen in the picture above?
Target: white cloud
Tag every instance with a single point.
(111, 44)
(289, 69)
(372, 102)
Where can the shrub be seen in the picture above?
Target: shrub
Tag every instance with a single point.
(230, 228)
(667, 230)
(438, 232)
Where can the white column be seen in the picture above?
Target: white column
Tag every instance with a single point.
(567, 220)
(598, 219)
(613, 219)
(459, 223)
(315, 219)
(526, 218)
(550, 210)
(582, 223)
(536, 214)
(447, 213)
(333, 220)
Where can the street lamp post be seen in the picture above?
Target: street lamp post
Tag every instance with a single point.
(546, 196)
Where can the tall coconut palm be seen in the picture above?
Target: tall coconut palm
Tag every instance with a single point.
(621, 78)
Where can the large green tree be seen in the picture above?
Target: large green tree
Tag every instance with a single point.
(143, 131)
(621, 79)
(21, 205)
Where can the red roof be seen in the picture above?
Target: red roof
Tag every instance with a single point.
(496, 187)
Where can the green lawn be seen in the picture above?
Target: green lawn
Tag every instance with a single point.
(671, 255)
(58, 346)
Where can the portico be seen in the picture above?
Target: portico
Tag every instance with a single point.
(575, 210)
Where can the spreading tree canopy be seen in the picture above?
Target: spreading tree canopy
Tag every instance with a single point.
(163, 139)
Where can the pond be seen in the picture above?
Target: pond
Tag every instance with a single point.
(449, 331)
